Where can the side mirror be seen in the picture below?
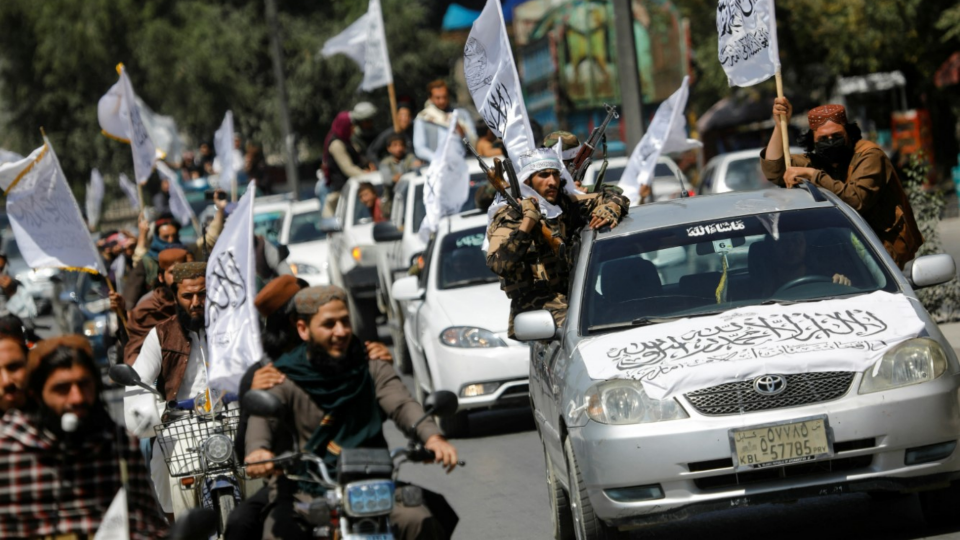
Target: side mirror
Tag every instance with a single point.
(386, 232)
(930, 270)
(329, 225)
(442, 403)
(125, 375)
(407, 289)
(534, 326)
(262, 403)
(197, 524)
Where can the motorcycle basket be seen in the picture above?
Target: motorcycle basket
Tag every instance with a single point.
(181, 440)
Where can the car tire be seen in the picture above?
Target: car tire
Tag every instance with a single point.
(560, 514)
(586, 524)
(939, 506)
(363, 317)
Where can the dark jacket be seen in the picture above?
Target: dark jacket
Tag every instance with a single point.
(871, 187)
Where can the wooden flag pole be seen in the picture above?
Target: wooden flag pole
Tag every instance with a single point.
(783, 123)
(393, 107)
(123, 317)
(140, 195)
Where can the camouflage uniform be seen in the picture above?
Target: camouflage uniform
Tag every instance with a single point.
(530, 273)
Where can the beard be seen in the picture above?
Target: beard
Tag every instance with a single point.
(328, 364)
(188, 321)
(89, 418)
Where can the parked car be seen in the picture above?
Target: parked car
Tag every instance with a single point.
(456, 325)
(37, 282)
(353, 255)
(309, 256)
(400, 245)
(735, 171)
(749, 374)
(665, 183)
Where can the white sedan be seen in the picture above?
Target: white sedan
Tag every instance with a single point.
(309, 254)
(457, 335)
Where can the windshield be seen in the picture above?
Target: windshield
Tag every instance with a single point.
(462, 263)
(709, 267)
(268, 224)
(613, 174)
(305, 227)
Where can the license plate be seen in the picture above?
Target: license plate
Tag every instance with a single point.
(783, 443)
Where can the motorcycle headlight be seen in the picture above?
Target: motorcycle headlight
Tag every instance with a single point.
(469, 337)
(218, 448)
(621, 402)
(912, 362)
(95, 327)
(368, 498)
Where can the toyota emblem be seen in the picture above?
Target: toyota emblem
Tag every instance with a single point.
(770, 385)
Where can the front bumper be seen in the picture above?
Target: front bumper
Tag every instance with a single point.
(690, 459)
(454, 369)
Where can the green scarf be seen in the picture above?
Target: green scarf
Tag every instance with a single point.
(349, 400)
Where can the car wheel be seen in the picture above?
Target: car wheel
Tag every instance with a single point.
(363, 316)
(940, 506)
(562, 519)
(586, 525)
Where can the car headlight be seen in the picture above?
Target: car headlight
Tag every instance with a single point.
(218, 448)
(621, 402)
(912, 362)
(368, 498)
(304, 269)
(469, 337)
(95, 327)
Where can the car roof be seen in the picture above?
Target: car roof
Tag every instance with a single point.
(714, 207)
(309, 205)
(463, 221)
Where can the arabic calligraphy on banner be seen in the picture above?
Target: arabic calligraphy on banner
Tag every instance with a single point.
(672, 358)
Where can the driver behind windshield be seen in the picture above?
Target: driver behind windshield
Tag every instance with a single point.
(791, 256)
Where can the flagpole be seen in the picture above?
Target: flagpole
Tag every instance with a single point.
(123, 318)
(783, 122)
(140, 195)
(393, 107)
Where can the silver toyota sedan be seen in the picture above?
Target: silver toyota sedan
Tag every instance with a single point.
(741, 349)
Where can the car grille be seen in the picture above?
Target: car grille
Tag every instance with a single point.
(740, 397)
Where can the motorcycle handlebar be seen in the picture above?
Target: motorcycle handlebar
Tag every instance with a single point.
(189, 404)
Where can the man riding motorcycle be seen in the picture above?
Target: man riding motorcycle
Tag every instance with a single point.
(332, 383)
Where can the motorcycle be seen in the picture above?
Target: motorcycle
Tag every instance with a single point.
(357, 505)
(196, 437)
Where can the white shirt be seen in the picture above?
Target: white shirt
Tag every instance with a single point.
(141, 410)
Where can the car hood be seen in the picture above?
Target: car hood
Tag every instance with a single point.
(308, 251)
(490, 306)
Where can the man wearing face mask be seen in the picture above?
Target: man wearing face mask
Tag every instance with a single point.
(531, 274)
(173, 354)
(59, 466)
(856, 170)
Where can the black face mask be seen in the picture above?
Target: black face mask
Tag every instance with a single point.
(833, 150)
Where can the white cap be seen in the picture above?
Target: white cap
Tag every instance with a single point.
(362, 111)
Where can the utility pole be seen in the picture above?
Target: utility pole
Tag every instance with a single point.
(628, 69)
(289, 142)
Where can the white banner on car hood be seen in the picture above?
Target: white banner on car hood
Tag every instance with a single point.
(690, 354)
(233, 325)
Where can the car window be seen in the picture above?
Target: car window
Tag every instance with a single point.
(707, 181)
(305, 227)
(714, 266)
(268, 224)
(462, 263)
(745, 175)
(361, 214)
(419, 211)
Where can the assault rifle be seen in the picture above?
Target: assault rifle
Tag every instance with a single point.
(504, 187)
(585, 156)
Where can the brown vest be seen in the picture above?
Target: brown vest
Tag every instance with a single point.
(174, 355)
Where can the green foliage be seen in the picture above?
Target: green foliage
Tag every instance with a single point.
(941, 301)
(192, 60)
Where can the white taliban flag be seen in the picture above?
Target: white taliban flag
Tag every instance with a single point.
(120, 119)
(94, 200)
(667, 134)
(223, 145)
(116, 522)
(366, 44)
(233, 326)
(163, 132)
(179, 206)
(493, 82)
(130, 190)
(748, 49)
(44, 215)
(448, 182)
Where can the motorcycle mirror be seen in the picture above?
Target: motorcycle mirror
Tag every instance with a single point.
(125, 375)
(197, 524)
(442, 403)
(262, 403)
